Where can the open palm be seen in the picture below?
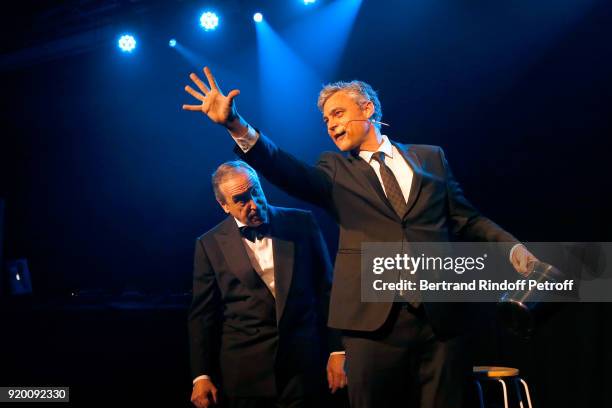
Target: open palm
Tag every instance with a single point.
(219, 108)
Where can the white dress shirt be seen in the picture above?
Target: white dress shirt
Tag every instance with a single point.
(262, 258)
(395, 161)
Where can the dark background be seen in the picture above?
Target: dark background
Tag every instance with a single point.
(106, 180)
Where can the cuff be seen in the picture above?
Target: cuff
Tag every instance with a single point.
(337, 352)
(200, 377)
(247, 139)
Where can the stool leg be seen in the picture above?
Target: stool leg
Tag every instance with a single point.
(519, 394)
(526, 392)
(505, 390)
(480, 395)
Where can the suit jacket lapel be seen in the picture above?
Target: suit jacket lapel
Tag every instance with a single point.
(238, 261)
(372, 184)
(417, 174)
(283, 247)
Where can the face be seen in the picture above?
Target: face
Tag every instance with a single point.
(347, 122)
(244, 199)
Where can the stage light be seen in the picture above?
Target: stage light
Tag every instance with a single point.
(258, 17)
(127, 43)
(209, 21)
(172, 43)
(307, 2)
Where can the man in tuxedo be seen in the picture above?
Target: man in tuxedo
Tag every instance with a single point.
(408, 353)
(257, 322)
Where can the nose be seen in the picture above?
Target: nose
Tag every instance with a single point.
(331, 127)
(253, 204)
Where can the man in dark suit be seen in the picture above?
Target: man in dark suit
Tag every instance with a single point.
(380, 191)
(261, 285)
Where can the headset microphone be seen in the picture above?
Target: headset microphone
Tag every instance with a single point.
(366, 120)
(345, 124)
(381, 123)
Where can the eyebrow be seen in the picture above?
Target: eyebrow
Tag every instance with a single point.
(332, 112)
(242, 195)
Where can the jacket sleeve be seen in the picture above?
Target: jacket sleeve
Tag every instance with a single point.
(467, 222)
(204, 317)
(323, 271)
(309, 183)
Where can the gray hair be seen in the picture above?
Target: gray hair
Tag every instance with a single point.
(227, 170)
(360, 91)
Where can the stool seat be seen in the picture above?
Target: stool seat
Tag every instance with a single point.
(504, 376)
(495, 371)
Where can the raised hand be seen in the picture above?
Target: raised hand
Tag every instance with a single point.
(219, 108)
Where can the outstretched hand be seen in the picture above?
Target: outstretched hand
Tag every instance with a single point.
(219, 108)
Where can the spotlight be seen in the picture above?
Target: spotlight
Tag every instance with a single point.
(127, 43)
(209, 21)
(172, 43)
(258, 17)
(307, 2)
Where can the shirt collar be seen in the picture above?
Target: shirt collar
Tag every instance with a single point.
(240, 224)
(386, 147)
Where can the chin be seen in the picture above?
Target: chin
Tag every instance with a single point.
(344, 146)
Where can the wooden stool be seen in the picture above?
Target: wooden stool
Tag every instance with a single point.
(500, 375)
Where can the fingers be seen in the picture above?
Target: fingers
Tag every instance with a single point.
(192, 107)
(520, 261)
(200, 401)
(330, 380)
(194, 93)
(214, 394)
(336, 381)
(523, 264)
(211, 79)
(342, 380)
(233, 93)
(196, 80)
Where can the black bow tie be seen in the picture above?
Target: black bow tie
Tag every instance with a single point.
(253, 233)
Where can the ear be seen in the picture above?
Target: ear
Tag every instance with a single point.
(368, 109)
(224, 206)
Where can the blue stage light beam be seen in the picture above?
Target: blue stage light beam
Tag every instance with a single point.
(258, 17)
(209, 20)
(321, 35)
(196, 60)
(289, 90)
(309, 2)
(172, 43)
(127, 43)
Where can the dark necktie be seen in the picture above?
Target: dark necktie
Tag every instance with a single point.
(396, 198)
(253, 233)
(392, 187)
